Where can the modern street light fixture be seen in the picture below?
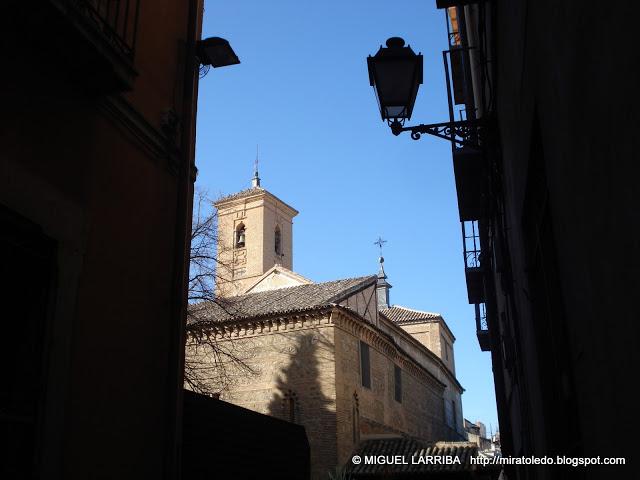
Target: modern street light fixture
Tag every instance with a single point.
(395, 73)
(215, 52)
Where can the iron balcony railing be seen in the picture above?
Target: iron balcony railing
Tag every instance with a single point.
(481, 317)
(482, 327)
(117, 20)
(473, 267)
(474, 273)
(471, 244)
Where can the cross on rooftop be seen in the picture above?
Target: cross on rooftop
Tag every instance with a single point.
(380, 242)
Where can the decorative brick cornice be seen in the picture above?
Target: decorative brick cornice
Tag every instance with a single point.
(254, 326)
(350, 322)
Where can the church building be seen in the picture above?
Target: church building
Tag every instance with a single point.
(335, 356)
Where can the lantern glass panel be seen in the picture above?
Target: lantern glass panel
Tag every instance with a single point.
(395, 81)
(396, 73)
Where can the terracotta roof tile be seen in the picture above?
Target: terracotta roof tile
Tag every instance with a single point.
(244, 193)
(283, 300)
(403, 315)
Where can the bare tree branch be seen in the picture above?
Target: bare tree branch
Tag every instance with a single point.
(211, 366)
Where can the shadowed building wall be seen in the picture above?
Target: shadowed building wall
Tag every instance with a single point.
(557, 221)
(278, 449)
(97, 142)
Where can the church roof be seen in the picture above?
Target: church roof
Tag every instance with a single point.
(403, 315)
(280, 301)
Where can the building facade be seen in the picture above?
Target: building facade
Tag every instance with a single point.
(334, 357)
(548, 205)
(477, 433)
(98, 133)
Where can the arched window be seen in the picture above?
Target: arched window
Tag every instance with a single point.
(278, 241)
(290, 406)
(240, 235)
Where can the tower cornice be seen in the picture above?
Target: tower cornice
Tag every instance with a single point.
(252, 194)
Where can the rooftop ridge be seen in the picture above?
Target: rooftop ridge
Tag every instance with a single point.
(282, 300)
(350, 279)
(413, 310)
(240, 194)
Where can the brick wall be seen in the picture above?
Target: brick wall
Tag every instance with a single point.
(292, 367)
(312, 364)
(419, 414)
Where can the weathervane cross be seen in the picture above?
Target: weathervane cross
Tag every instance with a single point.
(255, 164)
(380, 242)
(255, 182)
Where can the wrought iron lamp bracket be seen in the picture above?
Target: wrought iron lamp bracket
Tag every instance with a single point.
(465, 133)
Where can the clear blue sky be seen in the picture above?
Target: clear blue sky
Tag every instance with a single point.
(302, 94)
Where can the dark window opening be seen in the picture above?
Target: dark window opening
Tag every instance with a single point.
(290, 406)
(27, 262)
(365, 366)
(397, 375)
(454, 415)
(356, 419)
(292, 410)
(278, 241)
(450, 413)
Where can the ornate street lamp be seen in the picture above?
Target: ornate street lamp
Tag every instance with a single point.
(395, 73)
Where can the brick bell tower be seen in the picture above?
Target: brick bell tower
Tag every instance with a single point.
(255, 232)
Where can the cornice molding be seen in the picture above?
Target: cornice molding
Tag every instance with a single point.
(243, 199)
(255, 326)
(344, 319)
(416, 343)
(152, 140)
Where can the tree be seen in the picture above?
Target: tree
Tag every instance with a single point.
(210, 366)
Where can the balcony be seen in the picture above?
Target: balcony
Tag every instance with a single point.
(482, 327)
(91, 42)
(471, 184)
(457, 61)
(473, 268)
